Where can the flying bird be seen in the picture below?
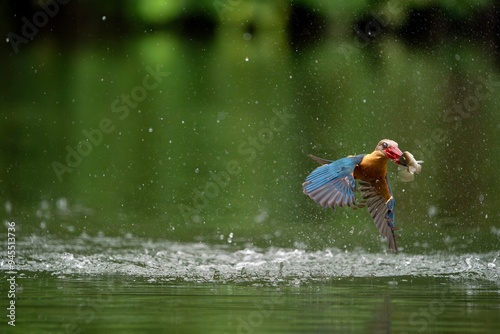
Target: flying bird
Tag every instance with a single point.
(333, 184)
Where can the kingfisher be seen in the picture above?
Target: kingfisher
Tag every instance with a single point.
(333, 184)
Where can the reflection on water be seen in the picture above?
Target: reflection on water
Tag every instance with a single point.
(134, 285)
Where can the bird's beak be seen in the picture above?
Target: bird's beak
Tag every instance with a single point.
(395, 154)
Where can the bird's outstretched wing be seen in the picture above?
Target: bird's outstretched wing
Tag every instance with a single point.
(319, 160)
(381, 210)
(333, 184)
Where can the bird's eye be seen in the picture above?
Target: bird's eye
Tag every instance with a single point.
(384, 145)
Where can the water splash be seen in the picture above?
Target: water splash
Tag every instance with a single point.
(200, 262)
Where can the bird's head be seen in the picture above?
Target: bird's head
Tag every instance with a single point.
(391, 150)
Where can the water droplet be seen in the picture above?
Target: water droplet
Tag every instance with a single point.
(104, 18)
(432, 211)
(8, 207)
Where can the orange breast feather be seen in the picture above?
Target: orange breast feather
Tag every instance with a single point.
(373, 168)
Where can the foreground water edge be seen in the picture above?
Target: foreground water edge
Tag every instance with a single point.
(133, 285)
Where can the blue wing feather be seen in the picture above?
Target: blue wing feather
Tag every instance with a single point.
(333, 184)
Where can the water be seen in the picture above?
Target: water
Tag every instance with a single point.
(103, 161)
(127, 284)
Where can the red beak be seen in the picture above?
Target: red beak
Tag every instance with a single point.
(393, 153)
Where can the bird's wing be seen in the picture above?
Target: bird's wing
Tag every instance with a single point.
(332, 184)
(319, 160)
(381, 210)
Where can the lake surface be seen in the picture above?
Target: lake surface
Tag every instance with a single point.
(132, 285)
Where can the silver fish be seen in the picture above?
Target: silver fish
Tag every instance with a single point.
(407, 173)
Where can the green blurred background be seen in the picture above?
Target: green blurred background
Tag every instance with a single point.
(192, 120)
